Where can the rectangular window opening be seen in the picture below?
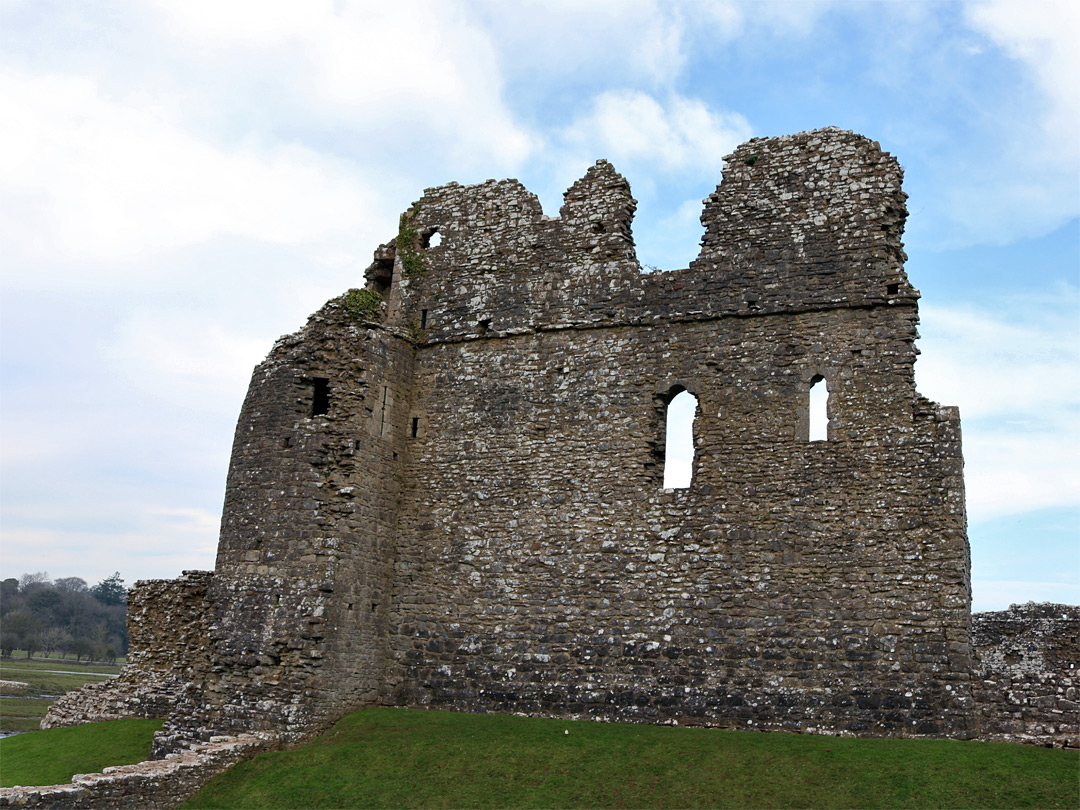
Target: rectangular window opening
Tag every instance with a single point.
(423, 319)
(320, 401)
(819, 409)
(415, 425)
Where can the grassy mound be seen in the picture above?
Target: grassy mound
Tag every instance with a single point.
(408, 758)
(53, 756)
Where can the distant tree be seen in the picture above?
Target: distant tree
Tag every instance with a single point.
(9, 595)
(71, 585)
(52, 639)
(24, 626)
(66, 645)
(58, 613)
(82, 646)
(110, 654)
(39, 578)
(45, 604)
(110, 591)
(8, 643)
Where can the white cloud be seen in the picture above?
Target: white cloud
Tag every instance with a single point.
(1017, 176)
(156, 542)
(184, 357)
(1043, 35)
(424, 69)
(85, 176)
(1017, 384)
(728, 20)
(583, 39)
(680, 135)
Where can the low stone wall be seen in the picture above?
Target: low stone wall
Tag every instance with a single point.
(167, 630)
(1026, 678)
(151, 785)
(113, 700)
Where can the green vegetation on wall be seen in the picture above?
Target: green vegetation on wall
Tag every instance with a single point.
(408, 246)
(364, 305)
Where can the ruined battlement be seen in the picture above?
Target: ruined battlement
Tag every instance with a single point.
(800, 223)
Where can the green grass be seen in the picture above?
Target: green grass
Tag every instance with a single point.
(25, 713)
(53, 756)
(409, 758)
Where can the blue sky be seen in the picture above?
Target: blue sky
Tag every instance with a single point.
(183, 182)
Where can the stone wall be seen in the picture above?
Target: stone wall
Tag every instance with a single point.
(152, 785)
(1025, 678)
(167, 633)
(455, 498)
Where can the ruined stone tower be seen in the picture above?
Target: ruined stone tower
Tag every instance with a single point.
(446, 490)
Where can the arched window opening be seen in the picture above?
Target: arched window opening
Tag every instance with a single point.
(819, 409)
(679, 440)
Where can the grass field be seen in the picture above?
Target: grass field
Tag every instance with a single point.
(409, 758)
(52, 757)
(24, 713)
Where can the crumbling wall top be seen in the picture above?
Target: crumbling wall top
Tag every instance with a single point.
(821, 209)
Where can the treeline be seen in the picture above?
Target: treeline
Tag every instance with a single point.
(65, 617)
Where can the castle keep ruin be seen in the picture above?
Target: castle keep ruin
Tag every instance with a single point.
(446, 490)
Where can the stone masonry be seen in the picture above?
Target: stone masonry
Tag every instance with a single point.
(446, 490)
(1026, 681)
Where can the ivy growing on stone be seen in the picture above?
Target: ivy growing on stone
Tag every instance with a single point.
(408, 246)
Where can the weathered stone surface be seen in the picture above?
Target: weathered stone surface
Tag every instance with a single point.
(1025, 679)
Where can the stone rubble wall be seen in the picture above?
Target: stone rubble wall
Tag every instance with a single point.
(152, 785)
(1026, 681)
(167, 633)
(456, 498)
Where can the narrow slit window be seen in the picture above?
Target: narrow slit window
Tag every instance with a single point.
(320, 400)
(415, 426)
(423, 319)
(819, 410)
(679, 441)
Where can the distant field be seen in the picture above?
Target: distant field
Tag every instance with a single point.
(411, 758)
(52, 757)
(24, 713)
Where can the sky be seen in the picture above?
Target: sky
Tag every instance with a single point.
(182, 181)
